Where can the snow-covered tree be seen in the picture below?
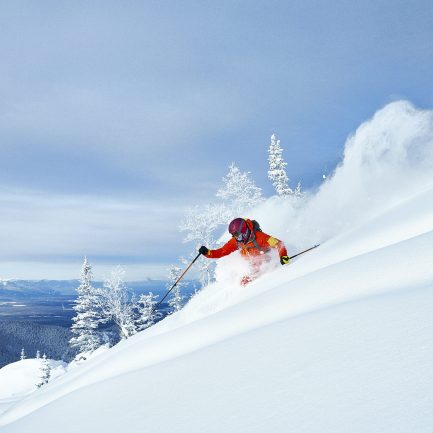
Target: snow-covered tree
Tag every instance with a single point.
(176, 300)
(87, 315)
(44, 372)
(23, 354)
(38, 354)
(298, 191)
(239, 192)
(116, 303)
(200, 224)
(277, 168)
(146, 317)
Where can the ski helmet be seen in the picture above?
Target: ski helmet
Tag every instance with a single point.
(239, 229)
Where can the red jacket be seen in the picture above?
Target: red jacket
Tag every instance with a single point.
(259, 243)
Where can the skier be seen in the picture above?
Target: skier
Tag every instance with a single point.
(254, 245)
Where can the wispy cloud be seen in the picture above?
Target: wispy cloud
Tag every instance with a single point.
(61, 230)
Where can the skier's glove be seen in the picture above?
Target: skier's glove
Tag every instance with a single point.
(203, 250)
(284, 260)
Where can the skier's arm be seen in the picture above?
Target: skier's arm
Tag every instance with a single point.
(282, 250)
(265, 240)
(225, 250)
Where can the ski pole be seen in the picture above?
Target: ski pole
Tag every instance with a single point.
(174, 285)
(302, 252)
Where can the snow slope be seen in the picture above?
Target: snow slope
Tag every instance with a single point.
(339, 341)
(19, 379)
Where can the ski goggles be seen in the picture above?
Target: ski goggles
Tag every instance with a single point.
(238, 236)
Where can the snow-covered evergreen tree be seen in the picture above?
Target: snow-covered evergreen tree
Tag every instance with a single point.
(44, 372)
(146, 317)
(116, 303)
(200, 223)
(23, 354)
(298, 191)
(87, 315)
(176, 300)
(239, 192)
(277, 168)
(38, 354)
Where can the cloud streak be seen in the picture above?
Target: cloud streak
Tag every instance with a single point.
(59, 229)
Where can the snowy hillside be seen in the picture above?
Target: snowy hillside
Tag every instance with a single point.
(341, 340)
(19, 379)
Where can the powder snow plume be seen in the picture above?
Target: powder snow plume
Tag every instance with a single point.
(386, 161)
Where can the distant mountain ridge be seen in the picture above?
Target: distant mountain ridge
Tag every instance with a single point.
(28, 288)
(38, 287)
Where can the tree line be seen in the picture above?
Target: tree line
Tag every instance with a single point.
(113, 305)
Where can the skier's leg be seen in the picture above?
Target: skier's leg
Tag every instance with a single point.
(245, 280)
(255, 265)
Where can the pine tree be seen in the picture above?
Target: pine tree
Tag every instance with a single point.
(146, 317)
(87, 316)
(201, 221)
(116, 303)
(176, 300)
(38, 354)
(23, 354)
(277, 168)
(239, 192)
(298, 191)
(44, 372)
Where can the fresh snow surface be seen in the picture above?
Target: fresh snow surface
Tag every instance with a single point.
(19, 379)
(339, 341)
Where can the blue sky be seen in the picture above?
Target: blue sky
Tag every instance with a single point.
(114, 116)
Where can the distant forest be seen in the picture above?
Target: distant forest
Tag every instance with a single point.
(49, 339)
